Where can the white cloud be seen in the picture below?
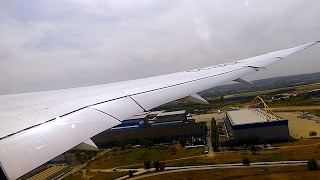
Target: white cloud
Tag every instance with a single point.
(202, 29)
(55, 44)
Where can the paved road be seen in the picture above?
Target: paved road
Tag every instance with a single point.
(223, 166)
(80, 166)
(207, 119)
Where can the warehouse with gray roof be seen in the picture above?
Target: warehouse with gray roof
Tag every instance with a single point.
(255, 122)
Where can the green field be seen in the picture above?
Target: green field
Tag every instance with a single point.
(298, 89)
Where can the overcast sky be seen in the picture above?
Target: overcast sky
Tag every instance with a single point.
(68, 43)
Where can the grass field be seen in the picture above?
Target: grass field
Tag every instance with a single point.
(298, 89)
(303, 149)
(136, 157)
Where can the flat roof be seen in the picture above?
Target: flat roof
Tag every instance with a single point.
(136, 117)
(150, 112)
(172, 113)
(247, 117)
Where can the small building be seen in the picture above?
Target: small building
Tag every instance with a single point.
(190, 120)
(171, 116)
(152, 119)
(135, 121)
(246, 123)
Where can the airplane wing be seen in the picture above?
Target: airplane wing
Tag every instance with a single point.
(36, 127)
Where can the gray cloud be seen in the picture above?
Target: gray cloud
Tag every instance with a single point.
(59, 44)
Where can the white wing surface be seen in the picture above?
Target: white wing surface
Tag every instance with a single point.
(36, 127)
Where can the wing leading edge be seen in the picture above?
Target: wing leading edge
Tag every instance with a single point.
(36, 127)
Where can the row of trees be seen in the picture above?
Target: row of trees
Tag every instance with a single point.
(313, 134)
(214, 134)
(83, 156)
(159, 166)
(254, 140)
(241, 141)
(312, 164)
(150, 141)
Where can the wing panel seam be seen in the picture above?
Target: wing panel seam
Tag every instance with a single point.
(104, 113)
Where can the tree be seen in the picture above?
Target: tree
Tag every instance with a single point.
(253, 148)
(313, 134)
(149, 144)
(162, 166)
(156, 165)
(129, 146)
(147, 164)
(115, 149)
(173, 150)
(183, 142)
(122, 145)
(130, 173)
(78, 157)
(245, 161)
(312, 165)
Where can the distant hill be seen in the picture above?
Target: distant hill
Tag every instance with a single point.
(263, 84)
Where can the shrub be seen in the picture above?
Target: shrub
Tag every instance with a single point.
(313, 134)
(312, 165)
(147, 164)
(156, 165)
(245, 161)
(130, 173)
(162, 166)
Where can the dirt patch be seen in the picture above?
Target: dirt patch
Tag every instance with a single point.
(208, 117)
(300, 128)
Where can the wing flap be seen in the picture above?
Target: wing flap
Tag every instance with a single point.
(195, 98)
(87, 145)
(27, 150)
(151, 99)
(120, 108)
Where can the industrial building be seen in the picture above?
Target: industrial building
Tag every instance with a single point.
(135, 121)
(255, 122)
(153, 119)
(171, 116)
